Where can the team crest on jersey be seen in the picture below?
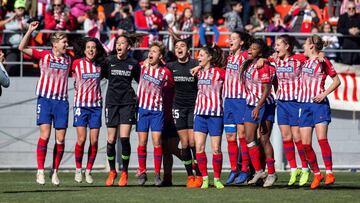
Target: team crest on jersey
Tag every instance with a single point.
(130, 67)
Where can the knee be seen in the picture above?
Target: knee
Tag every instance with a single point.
(60, 140)
(184, 145)
(216, 150)
(157, 143)
(111, 140)
(200, 149)
(231, 136)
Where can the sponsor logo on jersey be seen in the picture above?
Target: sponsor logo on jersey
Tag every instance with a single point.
(184, 79)
(285, 70)
(130, 67)
(308, 70)
(232, 66)
(151, 79)
(90, 75)
(121, 72)
(58, 66)
(204, 82)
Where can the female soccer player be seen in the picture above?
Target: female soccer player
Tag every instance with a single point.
(209, 112)
(259, 111)
(52, 103)
(183, 108)
(288, 71)
(314, 107)
(234, 107)
(154, 80)
(120, 106)
(90, 56)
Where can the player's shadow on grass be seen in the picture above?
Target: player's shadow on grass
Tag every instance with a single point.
(35, 191)
(131, 186)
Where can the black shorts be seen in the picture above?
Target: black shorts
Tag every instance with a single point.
(183, 118)
(120, 114)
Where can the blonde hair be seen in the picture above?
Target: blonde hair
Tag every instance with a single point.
(158, 44)
(57, 36)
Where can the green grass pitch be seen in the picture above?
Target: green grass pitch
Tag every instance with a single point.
(21, 187)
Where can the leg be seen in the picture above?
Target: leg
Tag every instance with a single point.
(143, 138)
(185, 151)
(79, 147)
(217, 160)
(289, 148)
(193, 151)
(94, 136)
(156, 139)
(295, 131)
(265, 130)
(59, 147)
(125, 130)
(110, 147)
(245, 159)
(45, 130)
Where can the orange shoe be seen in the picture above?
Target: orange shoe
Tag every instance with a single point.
(330, 179)
(123, 181)
(110, 179)
(190, 181)
(198, 182)
(316, 181)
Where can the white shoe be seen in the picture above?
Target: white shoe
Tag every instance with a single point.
(55, 179)
(78, 176)
(257, 176)
(88, 177)
(40, 177)
(270, 180)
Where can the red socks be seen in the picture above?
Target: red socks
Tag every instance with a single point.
(311, 158)
(157, 158)
(245, 158)
(301, 152)
(202, 163)
(270, 162)
(79, 153)
(91, 156)
(326, 153)
(58, 154)
(41, 153)
(233, 150)
(217, 164)
(141, 150)
(255, 157)
(289, 150)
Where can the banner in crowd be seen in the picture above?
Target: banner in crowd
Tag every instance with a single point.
(347, 96)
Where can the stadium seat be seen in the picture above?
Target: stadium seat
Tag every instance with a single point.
(223, 39)
(161, 6)
(283, 10)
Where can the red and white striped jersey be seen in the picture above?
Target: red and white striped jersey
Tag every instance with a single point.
(288, 73)
(152, 85)
(312, 80)
(233, 85)
(254, 78)
(54, 73)
(210, 83)
(87, 83)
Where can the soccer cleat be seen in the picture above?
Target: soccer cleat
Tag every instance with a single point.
(190, 181)
(111, 178)
(40, 177)
(157, 179)
(270, 180)
(88, 178)
(55, 179)
(142, 177)
(218, 184)
(123, 181)
(231, 178)
(329, 179)
(242, 177)
(293, 176)
(198, 182)
(304, 177)
(78, 176)
(205, 183)
(316, 181)
(258, 175)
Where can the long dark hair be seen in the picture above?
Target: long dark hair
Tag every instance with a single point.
(80, 47)
(289, 40)
(246, 38)
(218, 58)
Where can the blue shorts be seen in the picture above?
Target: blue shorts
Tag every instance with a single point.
(147, 119)
(314, 113)
(208, 124)
(51, 111)
(288, 112)
(234, 110)
(248, 114)
(269, 113)
(87, 116)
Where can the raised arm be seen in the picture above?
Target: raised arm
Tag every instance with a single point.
(25, 39)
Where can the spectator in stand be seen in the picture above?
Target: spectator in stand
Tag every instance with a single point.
(232, 19)
(92, 21)
(330, 40)
(269, 9)
(122, 18)
(208, 26)
(17, 23)
(186, 25)
(172, 23)
(277, 25)
(80, 7)
(4, 77)
(302, 17)
(201, 7)
(349, 24)
(148, 19)
(258, 22)
(58, 18)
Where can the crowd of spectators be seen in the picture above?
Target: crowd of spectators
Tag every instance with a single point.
(202, 16)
